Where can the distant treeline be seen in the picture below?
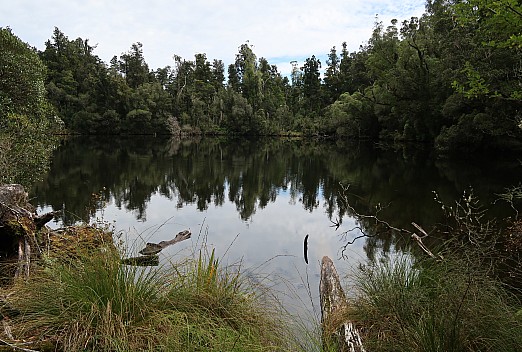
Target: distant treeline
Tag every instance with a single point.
(451, 78)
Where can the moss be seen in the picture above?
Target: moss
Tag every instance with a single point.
(20, 227)
(74, 239)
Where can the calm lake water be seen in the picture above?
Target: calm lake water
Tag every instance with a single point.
(255, 201)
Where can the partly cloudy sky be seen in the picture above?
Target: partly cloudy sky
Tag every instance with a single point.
(279, 30)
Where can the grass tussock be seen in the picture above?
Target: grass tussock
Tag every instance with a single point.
(94, 303)
(435, 306)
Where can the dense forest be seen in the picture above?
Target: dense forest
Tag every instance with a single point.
(451, 78)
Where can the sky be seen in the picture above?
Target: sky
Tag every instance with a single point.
(278, 30)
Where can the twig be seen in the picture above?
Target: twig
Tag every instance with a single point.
(372, 217)
(418, 239)
(335, 224)
(345, 233)
(420, 229)
(7, 329)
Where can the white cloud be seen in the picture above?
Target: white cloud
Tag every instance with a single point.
(277, 29)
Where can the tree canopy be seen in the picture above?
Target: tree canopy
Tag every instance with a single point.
(450, 78)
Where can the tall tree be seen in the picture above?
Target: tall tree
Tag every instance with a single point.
(246, 65)
(134, 67)
(332, 78)
(22, 76)
(77, 82)
(312, 85)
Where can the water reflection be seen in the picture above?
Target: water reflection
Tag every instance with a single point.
(253, 174)
(271, 192)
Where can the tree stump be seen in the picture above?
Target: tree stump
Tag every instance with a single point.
(19, 224)
(336, 328)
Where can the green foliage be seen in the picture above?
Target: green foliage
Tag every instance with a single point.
(499, 21)
(22, 77)
(493, 69)
(25, 149)
(463, 137)
(25, 116)
(311, 86)
(332, 77)
(352, 116)
(475, 85)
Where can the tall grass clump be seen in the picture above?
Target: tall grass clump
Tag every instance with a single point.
(435, 306)
(94, 303)
(89, 302)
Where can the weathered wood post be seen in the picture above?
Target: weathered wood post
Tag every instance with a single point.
(336, 328)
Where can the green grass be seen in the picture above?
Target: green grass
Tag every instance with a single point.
(93, 303)
(432, 305)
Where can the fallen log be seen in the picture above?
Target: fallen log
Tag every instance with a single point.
(149, 254)
(155, 248)
(337, 330)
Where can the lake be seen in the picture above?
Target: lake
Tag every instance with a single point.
(255, 201)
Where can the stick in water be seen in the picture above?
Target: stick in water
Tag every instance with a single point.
(306, 249)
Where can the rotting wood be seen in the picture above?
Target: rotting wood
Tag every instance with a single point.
(343, 332)
(19, 224)
(24, 236)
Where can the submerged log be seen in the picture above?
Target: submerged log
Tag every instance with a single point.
(336, 328)
(144, 260)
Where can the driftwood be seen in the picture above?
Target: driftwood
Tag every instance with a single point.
(336, 328)
(155, 248)
(19, 224)
(149, 254)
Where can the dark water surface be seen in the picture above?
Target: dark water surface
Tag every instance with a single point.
(255, 201)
